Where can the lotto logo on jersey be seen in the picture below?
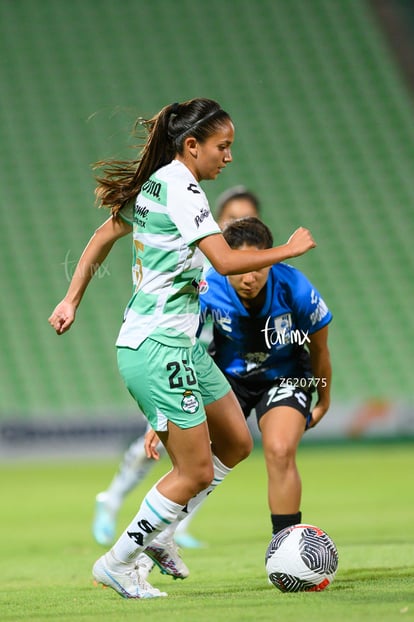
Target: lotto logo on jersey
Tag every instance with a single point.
(190, 403)
(152, 188)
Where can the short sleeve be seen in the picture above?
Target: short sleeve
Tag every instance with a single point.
(311, 311)
(127, 213)
(189, 210)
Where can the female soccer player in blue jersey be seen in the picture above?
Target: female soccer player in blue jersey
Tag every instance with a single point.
(158, 199)
(271, 342)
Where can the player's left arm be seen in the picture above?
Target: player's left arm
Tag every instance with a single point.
(322, 372)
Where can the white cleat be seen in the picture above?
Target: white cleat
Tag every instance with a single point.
(167, 558)
(129, 583)
(144, 565)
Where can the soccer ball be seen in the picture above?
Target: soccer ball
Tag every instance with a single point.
(301, 558)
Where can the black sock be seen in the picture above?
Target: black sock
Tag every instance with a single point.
(280, 521)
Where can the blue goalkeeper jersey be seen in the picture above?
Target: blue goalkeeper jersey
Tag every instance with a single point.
(270, 344)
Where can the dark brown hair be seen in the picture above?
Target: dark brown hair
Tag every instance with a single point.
(121, 180)
(250, 231)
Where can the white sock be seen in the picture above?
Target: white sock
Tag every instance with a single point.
(182, 526)
(186, 514)
(220, 472)
(155, 514)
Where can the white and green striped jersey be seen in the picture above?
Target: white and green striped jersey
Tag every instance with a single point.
(170, 214)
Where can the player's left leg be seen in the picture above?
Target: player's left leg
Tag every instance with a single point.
(282, 428)
(182, 535)
(230, 436)
(231, 441)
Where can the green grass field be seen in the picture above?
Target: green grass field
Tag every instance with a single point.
(362, 495)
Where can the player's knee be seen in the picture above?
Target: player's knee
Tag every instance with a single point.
(240, 448)
(280, 453)
(203, 477)
(245, 447)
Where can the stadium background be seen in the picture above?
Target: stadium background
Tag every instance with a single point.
(323, 108)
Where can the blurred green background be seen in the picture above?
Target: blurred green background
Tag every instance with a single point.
(324, 135)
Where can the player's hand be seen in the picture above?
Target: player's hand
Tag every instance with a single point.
(300, 242)
(151, 442)
(317, 413)
(63, 317)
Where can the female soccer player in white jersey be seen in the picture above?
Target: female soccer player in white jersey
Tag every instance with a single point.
(158, 198)
(235, 202)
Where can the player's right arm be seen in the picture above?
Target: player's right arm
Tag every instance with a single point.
(92, 257)
(227, 260)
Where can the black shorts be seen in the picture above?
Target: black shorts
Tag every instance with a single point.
(264, 398)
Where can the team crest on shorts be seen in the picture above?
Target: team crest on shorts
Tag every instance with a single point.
(190, 403)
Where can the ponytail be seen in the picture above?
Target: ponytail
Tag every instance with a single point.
(121, 181)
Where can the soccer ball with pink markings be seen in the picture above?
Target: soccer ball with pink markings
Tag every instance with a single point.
(301, 558)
